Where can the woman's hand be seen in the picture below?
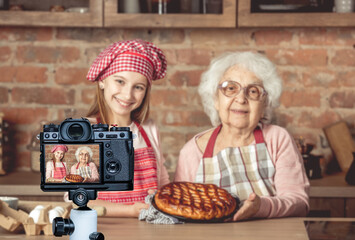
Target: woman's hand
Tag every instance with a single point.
(249, 209)
(85, 180)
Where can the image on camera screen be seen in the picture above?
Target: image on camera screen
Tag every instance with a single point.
(76, 163)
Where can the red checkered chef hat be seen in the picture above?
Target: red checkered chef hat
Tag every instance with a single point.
(132, 55)
(63, 148)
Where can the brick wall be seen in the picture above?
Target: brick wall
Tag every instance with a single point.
(42, 77)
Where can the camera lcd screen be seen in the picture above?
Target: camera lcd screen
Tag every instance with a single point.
(72, 163)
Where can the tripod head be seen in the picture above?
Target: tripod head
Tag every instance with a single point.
(82, 223)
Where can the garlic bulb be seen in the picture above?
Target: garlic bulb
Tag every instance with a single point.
(34, 214)
(55, 212)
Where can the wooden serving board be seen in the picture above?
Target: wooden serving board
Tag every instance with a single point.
(342, 143)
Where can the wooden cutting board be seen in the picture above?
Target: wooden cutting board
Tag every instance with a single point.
(341, 143)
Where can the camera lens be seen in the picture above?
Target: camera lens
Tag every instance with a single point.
(62, 226)
(80, 198)
(75, 131)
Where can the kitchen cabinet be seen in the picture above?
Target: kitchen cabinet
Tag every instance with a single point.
(235, 14)
(92, 18)
(247, 18)
(227, 19)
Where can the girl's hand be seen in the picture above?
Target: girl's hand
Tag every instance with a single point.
(249, 209)
(85, 180)
(151, 191)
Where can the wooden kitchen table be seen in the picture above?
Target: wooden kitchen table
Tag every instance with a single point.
(130, 228)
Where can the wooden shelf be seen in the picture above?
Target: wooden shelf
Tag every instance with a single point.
(147, 20)
(248, 19)
(332, 186)
(93, 18)
(26, 185)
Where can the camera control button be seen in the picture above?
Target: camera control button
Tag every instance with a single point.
(109, 154)
(107, 145)
(114, 128)
(101, 135)
(46, 135)
(122, 135)
(123, 129)
(113, 167)
(111, 135)
(54, 135)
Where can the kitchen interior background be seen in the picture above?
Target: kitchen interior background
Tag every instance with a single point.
(43, 69)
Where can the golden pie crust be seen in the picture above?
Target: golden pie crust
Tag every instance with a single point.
(74, 178)
(195, 201)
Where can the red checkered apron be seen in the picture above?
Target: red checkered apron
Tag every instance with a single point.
(240, 170)
(59, 172)
(145, 175)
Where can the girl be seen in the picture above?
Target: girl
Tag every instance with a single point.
(124, 73)
(56, 169)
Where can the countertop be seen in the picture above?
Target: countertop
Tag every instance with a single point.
(129, 228)
(28, 184)
(275, 229)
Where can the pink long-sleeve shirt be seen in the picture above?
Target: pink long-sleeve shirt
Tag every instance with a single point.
(291, 182)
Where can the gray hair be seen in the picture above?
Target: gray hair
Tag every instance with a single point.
(77, 152)
(258, 64)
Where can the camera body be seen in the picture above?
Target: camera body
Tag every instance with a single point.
(111, 154)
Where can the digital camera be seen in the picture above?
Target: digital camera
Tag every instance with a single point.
(91, 158)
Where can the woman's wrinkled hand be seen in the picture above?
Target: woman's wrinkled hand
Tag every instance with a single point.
(249, 209)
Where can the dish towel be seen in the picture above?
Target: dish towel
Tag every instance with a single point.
(154, 216)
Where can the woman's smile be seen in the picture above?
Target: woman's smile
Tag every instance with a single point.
(239, 111)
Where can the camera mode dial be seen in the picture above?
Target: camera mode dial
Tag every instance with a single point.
(51, 128)
(100, 127)
(115, 128)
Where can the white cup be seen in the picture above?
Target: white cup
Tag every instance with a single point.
(11, 201)
(343, 6)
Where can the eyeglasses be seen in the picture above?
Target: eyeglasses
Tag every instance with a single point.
(84, 154)
(252, 92)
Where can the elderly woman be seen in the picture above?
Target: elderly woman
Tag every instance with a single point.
(243, 153)
(85, 167)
